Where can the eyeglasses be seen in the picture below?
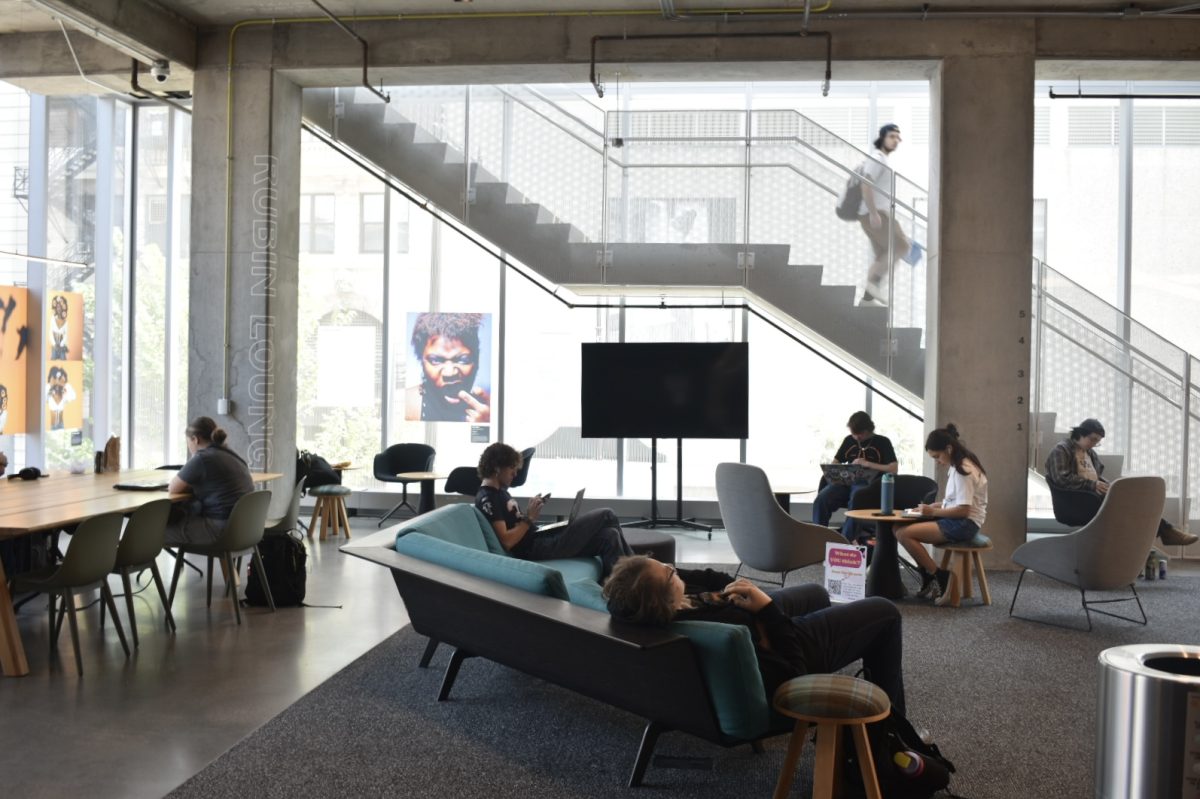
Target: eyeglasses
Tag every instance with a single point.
(671, 572)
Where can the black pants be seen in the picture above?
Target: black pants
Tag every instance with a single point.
(597, 532)
(838, 635)
(1077, 508)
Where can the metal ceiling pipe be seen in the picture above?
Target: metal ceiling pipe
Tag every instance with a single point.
(366, 83)
(142, 93)
(828, 37)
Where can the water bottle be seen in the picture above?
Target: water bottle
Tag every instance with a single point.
(1162, 568)
(887, 494)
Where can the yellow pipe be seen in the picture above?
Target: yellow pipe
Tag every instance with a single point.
(403, 18)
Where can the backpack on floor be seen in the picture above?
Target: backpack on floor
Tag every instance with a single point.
(906, 766)
(316, 470)
(285, 561)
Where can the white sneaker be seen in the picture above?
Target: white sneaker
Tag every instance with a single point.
(873, 295)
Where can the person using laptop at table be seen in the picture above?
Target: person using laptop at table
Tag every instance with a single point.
(956, 520)
(215, 476)
(597, 532)
(863, 448)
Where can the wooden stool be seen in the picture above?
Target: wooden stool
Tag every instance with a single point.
(831, 701)
(968, 561)
(331, 508)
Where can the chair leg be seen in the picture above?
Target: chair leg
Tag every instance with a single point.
(967, 590)
(645, 750)
(54, 628)
(866, 762)
(1014, 599)
(946, 554)
(266, 587)
(984, 593)
(162, 594)
(69, 598)
(824, 777)
(312, 523)
(129, 606)
(430, 648)
(174, 582)
(451, 674)
(107, 596)
(345, 517)
(795, 746)
(237, 608)
(210, 576)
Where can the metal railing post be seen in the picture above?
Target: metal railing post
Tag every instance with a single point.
(891, 274)
(466, 198)
(745, 259)
(1184, 475)
(1035, 429)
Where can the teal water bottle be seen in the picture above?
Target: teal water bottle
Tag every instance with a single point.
(887, 494)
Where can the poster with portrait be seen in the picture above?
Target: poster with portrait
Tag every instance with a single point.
(15, 352)
(449, 375)
(64, 395)
(64, 326)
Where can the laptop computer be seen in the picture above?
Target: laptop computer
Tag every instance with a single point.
(575, 507)
(844, 474)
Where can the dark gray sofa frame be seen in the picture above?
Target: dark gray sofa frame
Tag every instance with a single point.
(650, 672)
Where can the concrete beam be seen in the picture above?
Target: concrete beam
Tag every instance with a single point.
(139, 28)
(556, 49)
(42, 63)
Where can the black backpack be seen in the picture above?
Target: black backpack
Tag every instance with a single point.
(285, 561)
(317, 470)
(850, 199)
(920, 771)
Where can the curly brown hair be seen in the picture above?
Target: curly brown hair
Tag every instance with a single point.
(496, 457)
(462, 326)
(636, 595)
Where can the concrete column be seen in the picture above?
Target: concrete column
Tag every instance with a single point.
(260, 306)
(977, 373)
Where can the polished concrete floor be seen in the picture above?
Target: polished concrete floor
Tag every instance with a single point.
(140, 727)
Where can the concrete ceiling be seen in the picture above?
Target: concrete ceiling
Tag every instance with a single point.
(21, 16)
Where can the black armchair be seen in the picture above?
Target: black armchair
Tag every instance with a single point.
(400, 458)
(465, 479)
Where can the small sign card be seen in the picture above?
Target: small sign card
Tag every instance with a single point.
(845, 572)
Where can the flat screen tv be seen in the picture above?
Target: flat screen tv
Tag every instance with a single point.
(665, 390)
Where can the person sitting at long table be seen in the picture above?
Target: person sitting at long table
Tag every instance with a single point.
(215, 476)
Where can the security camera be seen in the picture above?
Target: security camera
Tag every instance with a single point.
(160, 70)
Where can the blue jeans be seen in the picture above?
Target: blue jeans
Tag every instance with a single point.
(830, 499)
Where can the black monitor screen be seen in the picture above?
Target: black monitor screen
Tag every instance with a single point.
(665, 390)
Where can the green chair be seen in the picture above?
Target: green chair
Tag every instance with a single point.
(139, 549)
(290, 520)
(240, 537)
(89, 559)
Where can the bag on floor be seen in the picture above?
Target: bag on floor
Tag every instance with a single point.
(285, 561)
(850, 199)
(907, 767)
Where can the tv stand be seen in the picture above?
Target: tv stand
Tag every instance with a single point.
(658, 521)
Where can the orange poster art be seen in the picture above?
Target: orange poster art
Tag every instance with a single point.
(64, 326)
(15, 351)
(64, 395)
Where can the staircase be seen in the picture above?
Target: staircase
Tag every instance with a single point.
(607, 240)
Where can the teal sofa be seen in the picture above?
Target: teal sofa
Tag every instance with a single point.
(549, 620)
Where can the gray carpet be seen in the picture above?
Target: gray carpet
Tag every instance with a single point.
(1011, 702)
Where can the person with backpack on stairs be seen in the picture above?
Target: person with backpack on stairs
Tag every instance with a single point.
(875, 215)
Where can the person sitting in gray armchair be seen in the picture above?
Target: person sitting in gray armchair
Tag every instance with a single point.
(1077, 486)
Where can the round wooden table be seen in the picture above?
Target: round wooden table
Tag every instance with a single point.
(883, 577)
(426, 479)
(783, 494)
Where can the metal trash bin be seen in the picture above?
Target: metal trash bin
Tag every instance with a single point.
(1148, 730)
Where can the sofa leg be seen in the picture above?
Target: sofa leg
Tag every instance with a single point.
(430, 648)
(456, 660)
(649, 739)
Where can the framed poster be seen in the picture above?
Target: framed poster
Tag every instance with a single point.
(64, 326)
(15, 352)
(449, 376)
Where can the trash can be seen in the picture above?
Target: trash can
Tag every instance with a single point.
(1148, 730)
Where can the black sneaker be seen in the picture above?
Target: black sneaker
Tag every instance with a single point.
(928, 582)
(946, 581)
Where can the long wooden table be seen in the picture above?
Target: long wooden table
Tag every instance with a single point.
(51, 503)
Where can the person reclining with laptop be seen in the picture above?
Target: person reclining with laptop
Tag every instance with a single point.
(873, 453)
(597, 532)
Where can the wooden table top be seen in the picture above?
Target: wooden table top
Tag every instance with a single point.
(789, 489)
(421, 475)
(64, 498)
(872, 515)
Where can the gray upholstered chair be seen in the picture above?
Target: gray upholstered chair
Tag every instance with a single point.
(762, 534)
(1105, 554)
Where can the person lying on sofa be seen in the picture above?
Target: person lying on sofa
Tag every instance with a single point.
(795, 630)
(597, 532)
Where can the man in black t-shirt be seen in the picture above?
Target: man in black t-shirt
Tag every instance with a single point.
(596, 532)
(861, 448)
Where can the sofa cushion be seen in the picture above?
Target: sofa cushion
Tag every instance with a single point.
(460, 524)
(573, 569)
(526, 575)
(727, 663)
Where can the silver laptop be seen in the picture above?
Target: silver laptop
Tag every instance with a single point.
(574, 512)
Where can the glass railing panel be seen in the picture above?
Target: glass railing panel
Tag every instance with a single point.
(440, 112)
(1193, 439)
